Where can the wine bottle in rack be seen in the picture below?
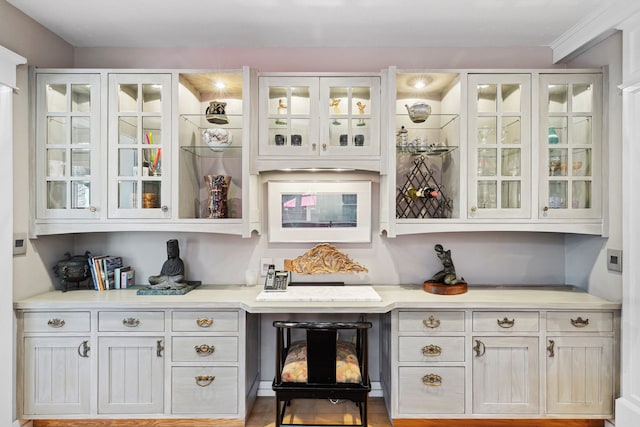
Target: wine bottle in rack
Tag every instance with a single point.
(426, 192)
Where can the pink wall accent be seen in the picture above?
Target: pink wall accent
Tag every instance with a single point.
(316, 59)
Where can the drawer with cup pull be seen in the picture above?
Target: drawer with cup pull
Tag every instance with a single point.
(583, 321)
(204, 321)
(431, 349)
(431, 321)
(57, 321)
(204, 389)
(204, 349)
(506, 321)
(131, 321)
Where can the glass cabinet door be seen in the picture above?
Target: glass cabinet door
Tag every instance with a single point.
(68, 137)
(139, 145)
(570, 130)
(349, 109)
(499, 146)
(290, 125)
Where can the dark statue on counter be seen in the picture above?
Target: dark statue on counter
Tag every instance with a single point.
(172, 274)
(447, 275)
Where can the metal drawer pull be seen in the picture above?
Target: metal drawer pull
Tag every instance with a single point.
(431, 322)
(431, 350)
(479, 348)
(56, 323)
(204, 322)
(204, 349)
(579, 322)
(506, 323)
(131, 322)
(432, 380)
(552, 343)
(83, 349)
(159, 348)
(204, 380)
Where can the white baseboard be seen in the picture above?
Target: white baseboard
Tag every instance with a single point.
(22, 423)
(264, 389)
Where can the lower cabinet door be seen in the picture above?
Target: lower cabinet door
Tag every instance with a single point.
(505, 375)
(430, 390)
(204, 390)
(56, 375)
(130, 375)
(580, 375)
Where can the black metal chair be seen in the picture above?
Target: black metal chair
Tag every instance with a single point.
(321, 345)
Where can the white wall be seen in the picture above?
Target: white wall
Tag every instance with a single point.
(590, 251)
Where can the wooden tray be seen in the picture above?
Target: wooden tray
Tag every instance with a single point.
(442, 289)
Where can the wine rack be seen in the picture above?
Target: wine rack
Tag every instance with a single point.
(421, 176)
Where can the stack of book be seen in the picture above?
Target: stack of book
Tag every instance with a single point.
(109, 272)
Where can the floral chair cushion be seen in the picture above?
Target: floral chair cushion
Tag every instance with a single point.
(347, 368)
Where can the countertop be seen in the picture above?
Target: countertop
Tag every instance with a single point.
(392, 297)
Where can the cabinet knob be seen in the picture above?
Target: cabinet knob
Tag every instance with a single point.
(550, 347)
(164, 208)
(56, 323)
(205, 349)
(324, 147)
(431, 350)
(83, 349)
(506, 323)
(545, 210)
(204, 322)
(580, 322)
(431, 322)
(92, 209)
(131, 322)
(474, 209)
(479, 348)
(159, 348)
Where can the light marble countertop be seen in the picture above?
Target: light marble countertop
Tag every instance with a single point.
(392, 297)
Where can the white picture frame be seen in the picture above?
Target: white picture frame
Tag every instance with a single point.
(319, 211)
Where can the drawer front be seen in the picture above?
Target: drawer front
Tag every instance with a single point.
(431, 321)
(431, 349)
(131, 321)
(204, 390)
(579, 321)
(506, 321)
(57, 321)
(431, 390)
(204, 349)
(205, 321)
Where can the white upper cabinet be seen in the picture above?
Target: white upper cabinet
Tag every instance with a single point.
(499, 139)
(312, 121)
(68, 146)
(570, 133)
(139, 146)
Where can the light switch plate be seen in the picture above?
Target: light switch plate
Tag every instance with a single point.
(19, 243)
(614, 260)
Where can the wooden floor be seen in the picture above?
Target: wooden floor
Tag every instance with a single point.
(318, 411)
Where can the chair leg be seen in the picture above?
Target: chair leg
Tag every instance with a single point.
(278, 422)
(363, 412)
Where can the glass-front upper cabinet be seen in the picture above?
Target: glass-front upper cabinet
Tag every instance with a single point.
(423, 142)
(319, 116)
(289, 113)
(499, 151)
(213, 155)
(68, 141)
(139, 145)
(570, 146)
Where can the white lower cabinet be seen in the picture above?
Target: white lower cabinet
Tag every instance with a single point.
(489, 364)
(505, 375)
(131, 375)
(57, 374)
(147, 363)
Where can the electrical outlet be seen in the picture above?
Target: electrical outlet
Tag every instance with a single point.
(614, 260)
(264, 265)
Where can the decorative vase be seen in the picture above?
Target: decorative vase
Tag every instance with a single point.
(217, 191)
(215, 113)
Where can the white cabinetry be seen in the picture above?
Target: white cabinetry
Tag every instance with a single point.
(490, 364)
(68, 161)
(56, 363)
(312, 121)
(570, 146)
(139, 146)
(499, 108)
(154, 363)
(579, 350)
